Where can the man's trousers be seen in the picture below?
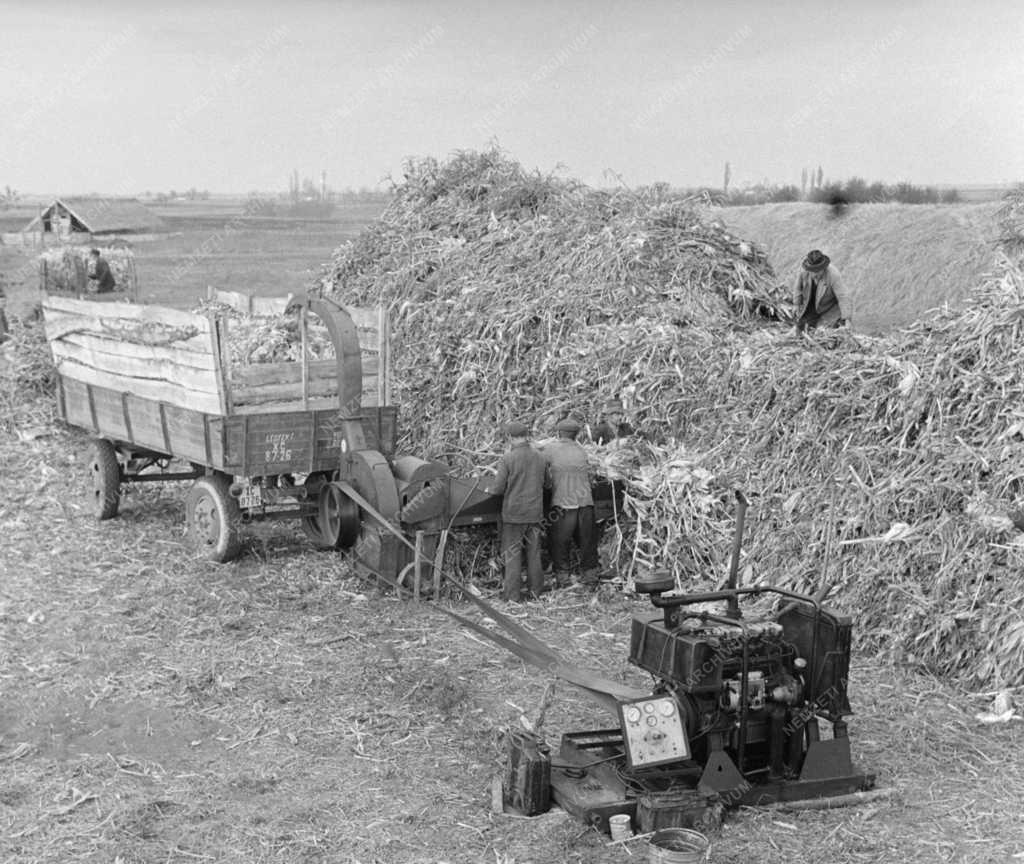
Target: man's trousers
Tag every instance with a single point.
(575, 524)
(517, 539)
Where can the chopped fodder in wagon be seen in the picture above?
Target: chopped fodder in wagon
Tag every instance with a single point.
(269, 338)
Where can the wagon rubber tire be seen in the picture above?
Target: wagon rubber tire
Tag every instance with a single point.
(105, 472)
(213, 518)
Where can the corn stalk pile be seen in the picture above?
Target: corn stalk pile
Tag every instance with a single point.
(66, 268)
(490, 272)
(28, 377)
(887, 468)
(1011, 219)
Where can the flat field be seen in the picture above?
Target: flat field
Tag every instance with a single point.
(211, 243)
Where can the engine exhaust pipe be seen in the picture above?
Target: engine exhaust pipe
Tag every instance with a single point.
(732, 608)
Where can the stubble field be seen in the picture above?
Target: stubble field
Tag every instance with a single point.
(160, 708)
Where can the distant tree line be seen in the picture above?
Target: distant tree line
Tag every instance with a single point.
(817, 189)
(304, 202)
(190, 194)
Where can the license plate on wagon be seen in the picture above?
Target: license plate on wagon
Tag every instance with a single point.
(252, 496)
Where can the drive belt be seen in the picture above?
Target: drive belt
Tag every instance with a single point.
(516, 639)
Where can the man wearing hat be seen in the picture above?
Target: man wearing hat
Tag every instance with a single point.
(613, 423)
(572, 504)
(817, 293)
(521, 476)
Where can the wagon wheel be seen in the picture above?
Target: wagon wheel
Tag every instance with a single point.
(105, 471)
(213, 518)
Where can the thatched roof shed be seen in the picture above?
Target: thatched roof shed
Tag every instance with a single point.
(96, 216)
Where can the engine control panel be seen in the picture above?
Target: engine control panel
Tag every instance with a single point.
(652, 731)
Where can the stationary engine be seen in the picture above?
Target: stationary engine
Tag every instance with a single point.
(746, 708)
(750, 693)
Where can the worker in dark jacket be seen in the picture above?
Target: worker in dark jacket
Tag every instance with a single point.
(101, 280)
(572, 505)
(521, 476)
(613, 424)
(818, 293)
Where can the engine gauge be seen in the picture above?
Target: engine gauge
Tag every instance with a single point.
(652, 731)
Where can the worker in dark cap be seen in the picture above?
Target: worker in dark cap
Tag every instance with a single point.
(613, 423)
(572, 505)
(818, 293)
(521, 476)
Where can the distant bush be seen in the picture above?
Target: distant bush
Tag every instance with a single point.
(762, 193)
(856, 190)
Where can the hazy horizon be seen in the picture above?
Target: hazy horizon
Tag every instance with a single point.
(36, 196)
(204, 95)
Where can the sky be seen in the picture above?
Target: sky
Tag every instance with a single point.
(121, 98)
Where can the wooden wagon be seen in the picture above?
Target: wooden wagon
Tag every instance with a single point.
(156, 385)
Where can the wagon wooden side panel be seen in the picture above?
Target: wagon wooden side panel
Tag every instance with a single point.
(163, 355)
(307, 385)
(144, 423)
(161, 379)
(258, 445)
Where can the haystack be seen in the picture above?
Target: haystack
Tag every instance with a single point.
(898, 261)
(66, 268)
(885, 469)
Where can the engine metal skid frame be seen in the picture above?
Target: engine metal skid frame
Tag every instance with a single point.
(748, 748)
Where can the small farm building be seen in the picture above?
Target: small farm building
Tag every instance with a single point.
(63, 218)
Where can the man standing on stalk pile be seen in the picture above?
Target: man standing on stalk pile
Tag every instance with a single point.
(521, 476)
(817, 293)
(572, 505)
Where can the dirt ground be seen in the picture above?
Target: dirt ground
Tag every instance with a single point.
(160, 708)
